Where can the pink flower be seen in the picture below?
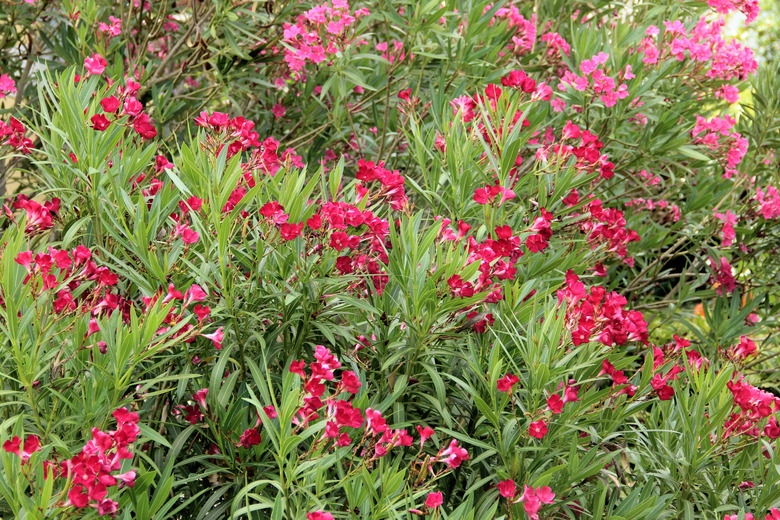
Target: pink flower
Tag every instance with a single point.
(434, 500)
(466, 106)
(278, 110)
(555, 403)
(425, 434)
(217, 336)
(270, 411)
(7, 85)
(319, 515)
(506, 383)
(538, 429)
(250, 437)
(729, 219)
(545, 495)
(507, 489)
(99, 122)
(110, 104)
(200, 397)
(454, 454)
(290, 231)
(190, 236)
(96, 64)
(31, 445)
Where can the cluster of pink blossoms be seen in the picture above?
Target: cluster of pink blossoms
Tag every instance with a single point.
(358, 234)
(581, 144)
(113, 29)
(556, 45)
(497, 254)
(596, 315)
(705, 44)
(92, 472)
(747, 7)
(596, 81)
(532, 499)
(126, 105)
(392, 183)
(673, 352)
(40, 217)
(728, 232)
(12, 134)
(606, 226)
(320, 32)
(754, 405)
(239, 136)
(65, 271)
(341, 416)
(7, 85)
(68, 270)
(769, 202)
(715, 133)
(722, 277)
(523, 29)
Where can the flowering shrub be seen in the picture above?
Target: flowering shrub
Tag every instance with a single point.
(336, 260)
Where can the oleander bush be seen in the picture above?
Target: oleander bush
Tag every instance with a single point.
(388, 259)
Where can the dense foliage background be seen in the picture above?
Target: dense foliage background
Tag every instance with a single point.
(449, 259)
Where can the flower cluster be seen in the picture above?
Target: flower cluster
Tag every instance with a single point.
(66, 271)
(523, 30)
(7, 85)
(574, 141)
(597, 82)
(705, 46)
(596, 315)
(747, 7)
(89, 475)
(769, 202)
(753, 405)
(93, 471)
(715, 134)
(40, 217)
(392, 183)
(532, 498)
(606, 226)
(13, 133)
(318, 34)
(123, 107)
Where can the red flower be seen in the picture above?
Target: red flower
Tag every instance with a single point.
(144, 127)
(538, 429)
(493, 91)
(216, 337)
(434, 500)
(555, 403)
(290, 231)
(96, 64)
(13, 445)
(270, 411)
(110, 104)
(99, 122)
(77, 498)
(250, 437)
(507, 488)
(506, 383)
